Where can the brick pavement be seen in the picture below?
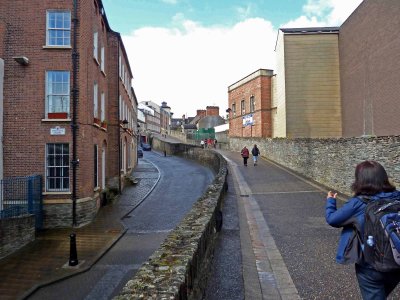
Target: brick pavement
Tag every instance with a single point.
(41, 262)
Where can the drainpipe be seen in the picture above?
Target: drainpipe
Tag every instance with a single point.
(75, 95)
(119, 118)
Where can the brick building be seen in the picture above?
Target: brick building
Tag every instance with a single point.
(369, 46)
(67, 89)
(250, 105)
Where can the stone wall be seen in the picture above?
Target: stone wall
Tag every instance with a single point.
(58, 214)
(16, 233)
(330, 161)
(179, 268)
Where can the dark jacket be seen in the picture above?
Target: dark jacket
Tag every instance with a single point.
(352, 212)
(255, 151)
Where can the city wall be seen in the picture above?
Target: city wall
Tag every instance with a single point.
(329, 161)
(179, 268)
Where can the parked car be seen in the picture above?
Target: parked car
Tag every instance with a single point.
(146, 147)
(139, 152)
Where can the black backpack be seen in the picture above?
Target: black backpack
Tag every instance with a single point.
(382, 234)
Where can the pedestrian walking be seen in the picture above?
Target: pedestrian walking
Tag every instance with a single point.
(245, 155)
(371, 180)
(202, 144)
(255, 152)
(215, 144)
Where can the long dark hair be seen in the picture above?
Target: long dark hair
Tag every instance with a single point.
(370, 179)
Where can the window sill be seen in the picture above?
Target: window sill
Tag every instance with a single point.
(56, 193)
(56, 120)
(96, 61)
(57, 47)
(104, 73)
(96, 189)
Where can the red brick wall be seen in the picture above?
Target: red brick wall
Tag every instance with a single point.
(212, 110)
(260, 88)
(25, 134)
(369, 46)
(201, 113)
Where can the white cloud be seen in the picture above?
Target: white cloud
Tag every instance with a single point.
(192, 67)
(324, 13)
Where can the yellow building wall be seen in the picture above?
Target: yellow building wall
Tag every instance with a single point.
(278, 102)
(312, 86)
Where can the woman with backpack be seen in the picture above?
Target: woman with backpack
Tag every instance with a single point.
(371, 184)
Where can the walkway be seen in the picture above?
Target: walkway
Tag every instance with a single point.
(275, 243)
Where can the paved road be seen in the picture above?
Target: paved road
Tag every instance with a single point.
(290, 250)
(181, 183)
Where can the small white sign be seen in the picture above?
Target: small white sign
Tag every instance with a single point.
(248, 120)
(57, 131)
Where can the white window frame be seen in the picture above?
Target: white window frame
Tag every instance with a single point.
(102, 107)
(54, 92)
(63, 167)
(96, 46)
(64, 29)
(96, 100)
(102, 63)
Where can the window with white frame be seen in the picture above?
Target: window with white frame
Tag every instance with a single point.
(120, 66)
(252, 104)
(58, 31)
(96, 45)
(57, 167)
(120, 107)
(242, 107)
(57, 92)
(102, 107)
(234, 109)
(102, 59)
(95, 100)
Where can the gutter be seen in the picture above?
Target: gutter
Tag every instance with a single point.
(75, 97)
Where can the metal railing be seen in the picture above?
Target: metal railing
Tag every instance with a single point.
(20, 196)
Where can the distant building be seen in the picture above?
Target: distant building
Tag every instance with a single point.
(250, 105)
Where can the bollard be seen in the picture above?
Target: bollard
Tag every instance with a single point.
(73, 255)
(165, 153)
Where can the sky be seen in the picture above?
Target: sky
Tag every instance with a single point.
(187, 52)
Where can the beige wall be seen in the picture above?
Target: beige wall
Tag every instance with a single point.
(278, 105)
(312, 85)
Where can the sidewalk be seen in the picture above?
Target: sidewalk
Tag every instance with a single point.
(46, 259)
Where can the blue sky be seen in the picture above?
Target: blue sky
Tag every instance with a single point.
(188, 52)
(127, 15)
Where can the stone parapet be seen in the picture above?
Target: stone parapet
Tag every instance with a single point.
(16, 233)
(329, 161)
(179, 268)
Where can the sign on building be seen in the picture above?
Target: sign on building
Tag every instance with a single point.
(248, 120)
(57, 131)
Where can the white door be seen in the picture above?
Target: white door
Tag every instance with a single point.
(103, 167)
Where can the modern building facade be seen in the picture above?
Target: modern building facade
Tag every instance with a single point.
(67, 89)
(250, 105)
(306, 97)
(369, 46)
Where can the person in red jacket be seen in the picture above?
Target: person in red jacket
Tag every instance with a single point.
(245, 155)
